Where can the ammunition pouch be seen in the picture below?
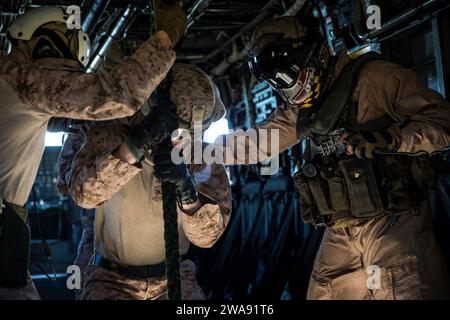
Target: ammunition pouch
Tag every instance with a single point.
(363, 193)
(357, 189)
(14, 246)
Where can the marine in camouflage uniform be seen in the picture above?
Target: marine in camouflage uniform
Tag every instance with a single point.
(402, 246)
(128, 201)
(42, 78)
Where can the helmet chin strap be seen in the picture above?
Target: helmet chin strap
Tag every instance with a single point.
(198, 114)
(25, 49)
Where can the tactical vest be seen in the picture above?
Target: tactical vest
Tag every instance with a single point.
(335, 187)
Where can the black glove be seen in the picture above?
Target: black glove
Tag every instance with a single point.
(156, 126)
(178, 174)
(366, 142)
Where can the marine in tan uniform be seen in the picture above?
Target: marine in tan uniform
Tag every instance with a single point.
(129, 232)
(43, 77)
(394, 233)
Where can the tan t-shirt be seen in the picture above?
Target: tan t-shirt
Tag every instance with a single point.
(22, 144)
(129, 227)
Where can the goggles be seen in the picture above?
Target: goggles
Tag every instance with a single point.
(280, 62)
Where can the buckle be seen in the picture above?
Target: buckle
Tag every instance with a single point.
(145, 271)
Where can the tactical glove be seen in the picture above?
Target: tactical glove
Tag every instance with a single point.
(156, 126)
(171, 19)
(178, 174)
(365, 142)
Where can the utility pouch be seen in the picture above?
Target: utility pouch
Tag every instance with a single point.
(307, 206)
(318, 188)
(363, 192)
(338, 189)
(14, 246)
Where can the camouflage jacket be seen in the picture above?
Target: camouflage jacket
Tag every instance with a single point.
(92, 176)
(63, 92)
(32, 94)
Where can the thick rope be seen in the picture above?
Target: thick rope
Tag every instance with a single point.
(171, 239)
(169, 205)
(169, 195)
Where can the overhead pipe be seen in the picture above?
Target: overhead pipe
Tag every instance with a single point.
(406, 16)
(122, 22)
(264, 13)
(238, 56)
(295, 8)
(97, 7)
(398, 24)
(196, 11)
(229, 61)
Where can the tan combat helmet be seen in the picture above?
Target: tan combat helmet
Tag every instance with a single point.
(196, 97)
(46, 28)
(286, 27)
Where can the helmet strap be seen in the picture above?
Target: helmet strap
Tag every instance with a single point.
(198, 114)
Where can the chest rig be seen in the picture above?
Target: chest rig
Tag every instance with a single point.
(335, 187)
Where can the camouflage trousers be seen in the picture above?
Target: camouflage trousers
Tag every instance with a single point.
(101, 284)
(381, 259)
(86, 246)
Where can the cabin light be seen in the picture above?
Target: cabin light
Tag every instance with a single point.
(54, 139)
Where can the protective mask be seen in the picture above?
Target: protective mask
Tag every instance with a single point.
(305, 91)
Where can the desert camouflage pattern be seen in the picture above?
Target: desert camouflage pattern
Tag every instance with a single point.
(101, 284)
(92, 175)
(32, 94)
(78, 95)
(85, 252)
(209, 222)
(65, 156)
(188, 76)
